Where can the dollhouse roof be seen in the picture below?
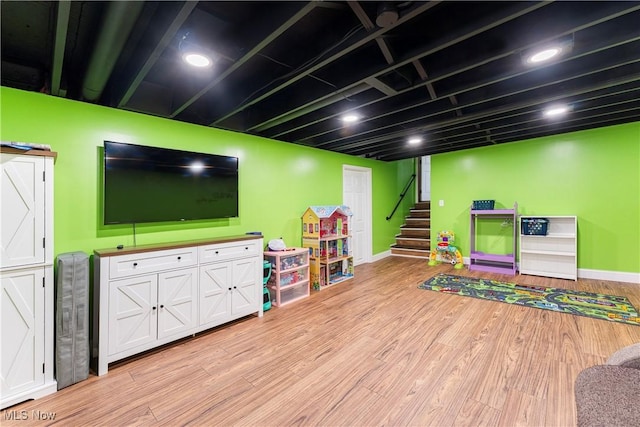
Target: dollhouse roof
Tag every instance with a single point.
(327, 211)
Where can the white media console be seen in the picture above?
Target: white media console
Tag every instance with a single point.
(147, 296)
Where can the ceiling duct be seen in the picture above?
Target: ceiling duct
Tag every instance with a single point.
(120, 18)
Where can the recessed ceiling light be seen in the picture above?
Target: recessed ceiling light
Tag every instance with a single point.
(544, 55)
(414, 140)
(193, 52)
(548, 52)
(556, 111)
(196, 59)
(350, 118)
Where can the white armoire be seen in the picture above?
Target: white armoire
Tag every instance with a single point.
(26, 275)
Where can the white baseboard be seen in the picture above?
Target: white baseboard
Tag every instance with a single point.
(381, 255)
(611, 276)
(614, 276)
(583, 273)
(385, 254)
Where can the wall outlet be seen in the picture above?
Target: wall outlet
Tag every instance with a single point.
(441, 203)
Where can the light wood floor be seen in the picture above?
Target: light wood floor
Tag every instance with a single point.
(377, 351)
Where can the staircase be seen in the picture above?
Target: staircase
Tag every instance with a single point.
(414, 239)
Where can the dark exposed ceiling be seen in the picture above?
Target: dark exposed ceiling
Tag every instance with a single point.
(451, 72)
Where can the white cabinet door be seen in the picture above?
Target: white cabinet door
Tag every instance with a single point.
(177, 302)
(215, 291)
(245, 289)
(22, 319)
(23, 204)
(133, 319)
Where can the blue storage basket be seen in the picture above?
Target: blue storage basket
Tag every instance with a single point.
(535, 226)
(483, 205)
(266, 271)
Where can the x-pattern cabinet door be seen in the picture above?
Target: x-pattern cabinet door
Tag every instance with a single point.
(244, 289)
(133, 319)
(215, 288)
(22, 326)
(23, 210)
(177, 301)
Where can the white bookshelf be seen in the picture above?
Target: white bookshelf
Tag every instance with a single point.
(552, 255)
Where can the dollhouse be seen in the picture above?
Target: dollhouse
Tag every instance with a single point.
(325, 232)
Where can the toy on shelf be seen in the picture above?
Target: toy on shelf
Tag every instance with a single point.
(289, 281)
(445, 251)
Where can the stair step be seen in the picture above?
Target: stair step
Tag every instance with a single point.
(419, 213)
(424, 236)
(414, 242)
(414, 238)
(412, 252)
(415, 232)
(417, 222)
(413, 227)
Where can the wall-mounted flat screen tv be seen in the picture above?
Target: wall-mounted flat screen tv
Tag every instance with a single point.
(150, 184)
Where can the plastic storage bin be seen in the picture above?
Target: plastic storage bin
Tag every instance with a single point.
(534, 226)
(290, 294)
(289, 279)
(483, 205)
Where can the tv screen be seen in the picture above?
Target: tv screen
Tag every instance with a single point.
(150, 184)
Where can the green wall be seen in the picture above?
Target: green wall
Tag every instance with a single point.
(277, 180)
(592, 174)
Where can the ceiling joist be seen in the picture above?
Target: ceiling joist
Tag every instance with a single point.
(456, 76)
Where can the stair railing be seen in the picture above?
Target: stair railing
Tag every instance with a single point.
(406, 188)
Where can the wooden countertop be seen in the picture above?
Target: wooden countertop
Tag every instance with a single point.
(32, 152)
(173, 245)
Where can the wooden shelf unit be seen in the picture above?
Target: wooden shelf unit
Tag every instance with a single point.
(554, 254)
